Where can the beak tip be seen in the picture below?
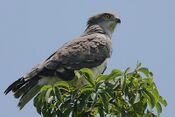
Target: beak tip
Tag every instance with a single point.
(119, 21)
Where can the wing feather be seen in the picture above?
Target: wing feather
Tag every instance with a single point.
(85, 52)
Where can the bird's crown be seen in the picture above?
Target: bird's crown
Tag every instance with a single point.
(107, 21)
(103, 17)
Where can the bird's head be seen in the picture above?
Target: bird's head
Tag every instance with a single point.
(107, 21)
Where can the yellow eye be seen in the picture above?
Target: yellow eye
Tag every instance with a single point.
(106, 16)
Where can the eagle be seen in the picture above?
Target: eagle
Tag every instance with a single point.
(90, 50)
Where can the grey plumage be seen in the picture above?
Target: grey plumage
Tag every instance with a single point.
(86, 51)
(90, 50)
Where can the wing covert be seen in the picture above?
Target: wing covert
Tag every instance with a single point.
(85, 52)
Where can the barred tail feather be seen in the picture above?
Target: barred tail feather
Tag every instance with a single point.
(24, 89)
(14, 86)
(28, 96)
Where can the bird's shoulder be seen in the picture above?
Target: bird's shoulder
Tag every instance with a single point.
(86, 42)
(84, 49)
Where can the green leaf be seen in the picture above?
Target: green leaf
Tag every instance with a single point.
(57, 93)
(150, 114)
(62, 84)
(149, 84)
(101, 77)
(156, 93)
(127, 70)
(50, 99)
(162, 101)
(67, 106)
(145, 71)
(113, 75)
(77, 74)
(75, 113)
(88, 75)
(138, 65)
(117, 72)
(87, 90)
(98, 86)
(159, 108)
(48, 94)
(123, 82)
(137, 98)
(105, 100)
(88, 71)
(45, 88)
(101, 112)
(151, 99)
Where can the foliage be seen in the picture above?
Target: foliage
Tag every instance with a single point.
(121, 93)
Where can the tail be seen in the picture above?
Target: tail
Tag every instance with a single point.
(25, 89)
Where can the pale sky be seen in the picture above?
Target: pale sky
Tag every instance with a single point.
(31, 30)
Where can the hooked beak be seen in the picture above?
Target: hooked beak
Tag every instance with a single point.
(117, 20)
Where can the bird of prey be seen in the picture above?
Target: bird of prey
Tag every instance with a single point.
(90, 50)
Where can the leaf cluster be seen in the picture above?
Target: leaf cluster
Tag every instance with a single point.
(128, 93)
